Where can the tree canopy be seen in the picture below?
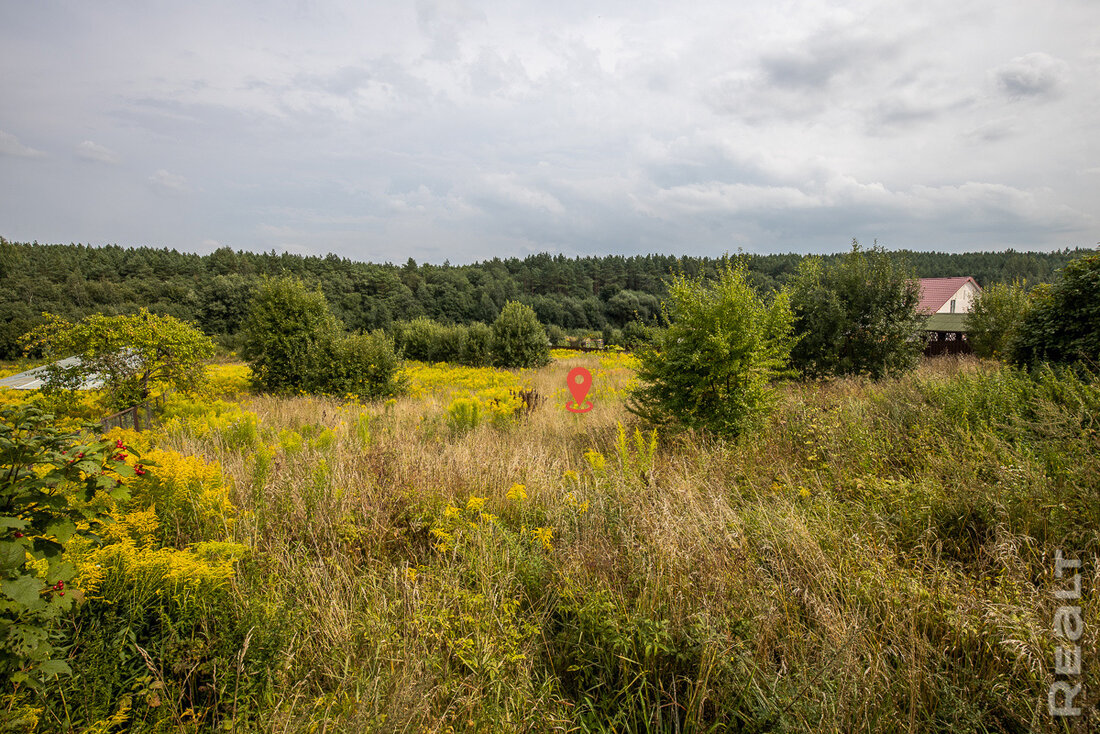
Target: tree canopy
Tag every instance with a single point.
(856, 315)
(135, 356)
(582, 293)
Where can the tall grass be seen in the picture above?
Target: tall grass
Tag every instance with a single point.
(878, 558)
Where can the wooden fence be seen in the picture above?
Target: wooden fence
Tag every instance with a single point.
(140, 417)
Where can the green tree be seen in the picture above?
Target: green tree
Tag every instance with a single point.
(518, 338)
(713, 366)
(856, 315)
(289, 336)
(135, 356)
(1062, 324)
(293, 342)
(993, 319)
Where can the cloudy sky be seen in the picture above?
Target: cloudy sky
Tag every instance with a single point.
(444, 129)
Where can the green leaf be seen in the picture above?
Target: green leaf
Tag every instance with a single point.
(24, 590)
(61, 529)
(55, 667)
(16, 523)
(12, 555)
(122, 469)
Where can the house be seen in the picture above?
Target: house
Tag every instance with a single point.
(947, 301)
(35, 378)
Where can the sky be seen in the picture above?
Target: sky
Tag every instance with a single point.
(458, 131)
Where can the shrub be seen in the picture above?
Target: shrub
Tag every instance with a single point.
(366, 366)
(289, 334)
(635, 334)
(856, 316)
(429, 341)
(711, 369)
(991, 324)
(477, 348)
(41, 470)
(293, 342)
(518, 338)
(1062, 324)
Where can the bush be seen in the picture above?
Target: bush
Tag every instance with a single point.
(289, 335)
(856, 316)
(42, 471)
(1062, 324)
(293, 342)
(426, 340)
(366, 366)
(635, 334)
(477, 348)
(991, 324)
(518, 338)
(712, 368)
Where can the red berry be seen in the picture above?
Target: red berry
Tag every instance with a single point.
(119, 444)
(18, 534)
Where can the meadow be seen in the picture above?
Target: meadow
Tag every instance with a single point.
(878, 557)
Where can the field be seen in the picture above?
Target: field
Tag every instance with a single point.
(879, 557)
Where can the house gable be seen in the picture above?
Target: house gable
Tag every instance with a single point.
(947, 295)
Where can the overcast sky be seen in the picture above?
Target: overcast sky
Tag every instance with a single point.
(467, 130)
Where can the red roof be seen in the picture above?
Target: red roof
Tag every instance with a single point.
(934, 292)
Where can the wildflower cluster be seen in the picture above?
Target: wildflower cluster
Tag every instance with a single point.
(227, 380)
(205, 418)
(449, 531)
(472, 395)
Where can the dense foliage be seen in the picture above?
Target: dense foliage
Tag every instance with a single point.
(1062, 323)
(712, 368)
(289, 334)
(134, 356)
(856, 315)
(47, 478)
(993, 320)
(293, 343)
(589, 293)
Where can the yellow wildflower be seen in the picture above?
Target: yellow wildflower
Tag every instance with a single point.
(544, 536)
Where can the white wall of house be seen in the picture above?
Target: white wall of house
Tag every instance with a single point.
(963, 299)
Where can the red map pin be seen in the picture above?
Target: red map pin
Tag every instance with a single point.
(579, 382)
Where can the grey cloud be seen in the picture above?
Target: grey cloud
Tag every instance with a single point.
(991, 132)
(805, 67)
(1032, 75)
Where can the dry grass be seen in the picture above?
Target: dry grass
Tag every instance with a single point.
(859, 565)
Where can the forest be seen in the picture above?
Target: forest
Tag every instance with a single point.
(583, 293)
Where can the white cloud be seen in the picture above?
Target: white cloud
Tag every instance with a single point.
(95, 152)
(10, 145)
(169, 182)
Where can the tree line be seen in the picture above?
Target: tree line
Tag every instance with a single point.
(582, 293)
